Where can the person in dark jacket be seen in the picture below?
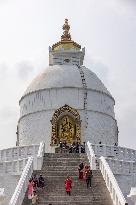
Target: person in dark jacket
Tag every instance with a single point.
(77, 147)
(89, 176)
(35, 181)
(41, 181)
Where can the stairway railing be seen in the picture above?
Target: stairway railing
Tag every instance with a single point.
(32, 164)
(40, 156)
(21, 188)
(111, 183)
(91, 155)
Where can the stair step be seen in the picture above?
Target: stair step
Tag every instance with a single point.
(55, 169)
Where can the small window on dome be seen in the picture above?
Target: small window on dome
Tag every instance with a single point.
(67, 60)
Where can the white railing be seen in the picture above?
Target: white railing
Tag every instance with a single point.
(18, 152)
(117, 152)
(38, 160)
(111, 183)
(91, 156)
(122, 167)
(21, 188)
(13, 167)
(32, 164)
(16, 166)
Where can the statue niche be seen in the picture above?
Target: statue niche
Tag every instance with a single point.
(66, 126)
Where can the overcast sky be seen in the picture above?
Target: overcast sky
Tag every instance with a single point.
(107, 29)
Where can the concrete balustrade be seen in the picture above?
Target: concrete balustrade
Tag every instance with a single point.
(20, 156)
(111, 183)
(122, 167)
(12, 167)
(117, 152)
(20, 152)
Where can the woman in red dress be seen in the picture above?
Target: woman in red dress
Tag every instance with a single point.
(30, 189)
(68, 185)
(80, 169)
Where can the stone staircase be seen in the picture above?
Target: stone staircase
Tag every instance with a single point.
(55, 169)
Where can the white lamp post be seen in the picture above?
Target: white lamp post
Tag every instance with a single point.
(132, 194)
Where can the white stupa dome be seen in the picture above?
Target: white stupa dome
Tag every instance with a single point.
(61, 76)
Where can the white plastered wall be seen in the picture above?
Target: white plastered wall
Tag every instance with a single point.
(37, 110)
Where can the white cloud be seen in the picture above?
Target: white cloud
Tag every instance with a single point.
(24, 70)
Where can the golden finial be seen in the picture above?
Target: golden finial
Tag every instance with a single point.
(66, 35)
(66, 43)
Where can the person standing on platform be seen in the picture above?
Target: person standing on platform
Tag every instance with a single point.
(61, 146)
(68, 185)
(77, 147)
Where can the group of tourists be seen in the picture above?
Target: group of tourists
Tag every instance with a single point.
(35, 183)
(75, 147)
(85, 173)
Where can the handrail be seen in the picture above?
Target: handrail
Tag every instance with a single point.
(32, 164)
(20, 190)
(91, 156)
(111, 183)
(41, 149)
(40, 155)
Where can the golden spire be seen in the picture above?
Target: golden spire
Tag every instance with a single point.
(66, 43)
(66, 35)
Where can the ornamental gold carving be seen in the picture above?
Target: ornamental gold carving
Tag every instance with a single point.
(66, 126)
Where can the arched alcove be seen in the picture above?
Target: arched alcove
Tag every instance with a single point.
(66, 126)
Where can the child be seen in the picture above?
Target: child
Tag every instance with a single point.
(34, 198)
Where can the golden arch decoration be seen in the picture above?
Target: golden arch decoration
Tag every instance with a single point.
(66, 126)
